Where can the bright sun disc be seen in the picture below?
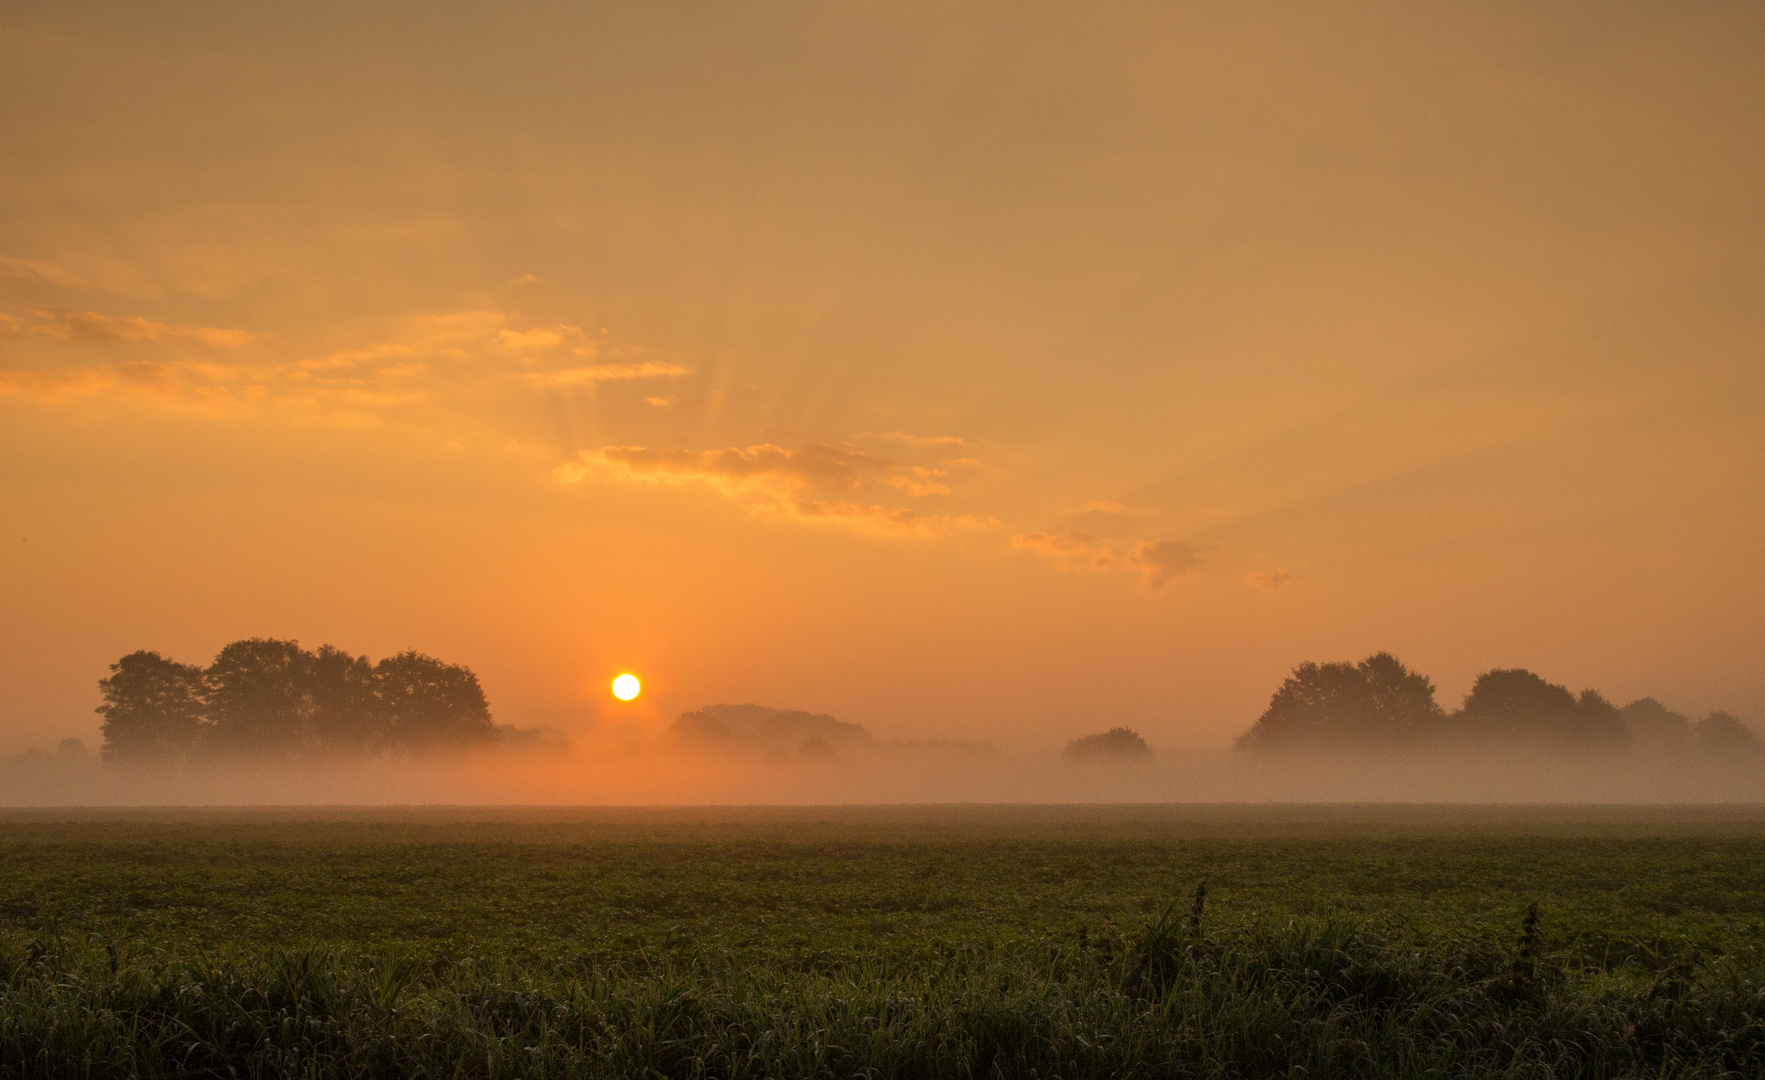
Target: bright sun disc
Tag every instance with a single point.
(625, 687)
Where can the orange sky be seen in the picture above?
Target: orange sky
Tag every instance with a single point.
(1005, 373)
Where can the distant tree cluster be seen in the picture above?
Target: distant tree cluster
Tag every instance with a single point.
(1116, 744)
(779, 734)
(272, 699)
(1381, 703)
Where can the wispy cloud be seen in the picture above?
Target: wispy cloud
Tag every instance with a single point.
(540, 337)
(596, 373)
(816, 467)
(1074, 550)
(815, 483)
(91, 326)
(447, 362)
(917, 440)
(1158, 562)
(191, 385)
(1271, 580)
(1163, 561)
(33, 270)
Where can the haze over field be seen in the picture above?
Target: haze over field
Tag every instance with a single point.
(271, 723)
(997, 376)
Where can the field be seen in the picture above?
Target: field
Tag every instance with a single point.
(890, 942)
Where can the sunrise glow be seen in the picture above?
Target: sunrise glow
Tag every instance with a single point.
(626, 687)
(975, 374)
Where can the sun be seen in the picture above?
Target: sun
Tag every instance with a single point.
(626, 686)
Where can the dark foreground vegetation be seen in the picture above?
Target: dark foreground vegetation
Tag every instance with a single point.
(1175, 998)
(842, 945)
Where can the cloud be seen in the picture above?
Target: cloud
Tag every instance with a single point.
(189, 384)
(451, 365)
(596, 373)
(917, 480)
(1073, 550)
(91, 326)
(816, 467)
(460, 371)
(815, 483)
(540, 337)
(917, 440)
(1163, 561)
(1158, 561)
(875, 518)
(40, 271)
(1270, 581)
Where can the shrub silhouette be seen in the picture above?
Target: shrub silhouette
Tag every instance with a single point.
(1116, 744)
(755, 729)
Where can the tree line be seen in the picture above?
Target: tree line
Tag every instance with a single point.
(266, 698)
(1381, 703)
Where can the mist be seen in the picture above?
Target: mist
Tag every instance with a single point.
(270, 723)
(583, 773)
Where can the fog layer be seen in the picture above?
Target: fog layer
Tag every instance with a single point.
(882, 772)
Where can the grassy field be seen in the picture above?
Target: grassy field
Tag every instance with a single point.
(1337, 941)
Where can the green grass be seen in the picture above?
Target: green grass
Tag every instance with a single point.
(955, 942)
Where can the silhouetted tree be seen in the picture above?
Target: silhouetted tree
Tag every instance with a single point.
(259, 697)
(429, 704)
(265, 697)
(1651, 721)
(779, 734)
(1375, 702)
(344, 711)
(1596, 720)
(1514, 700)
(1116, 744)
(1723, 733)
(1513, 703)
(153, 708)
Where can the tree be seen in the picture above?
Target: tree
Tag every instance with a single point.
(1723, 733)
(1378, 701)
(1651, 721)
(1116, 744)
(344, 711)
(259, 697)
(1596, 721)
(428, 704)
(776, 733)
(153, 709)
(1513, 703)
(265, 697)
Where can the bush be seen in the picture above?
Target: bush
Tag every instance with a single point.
(1116, 744)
